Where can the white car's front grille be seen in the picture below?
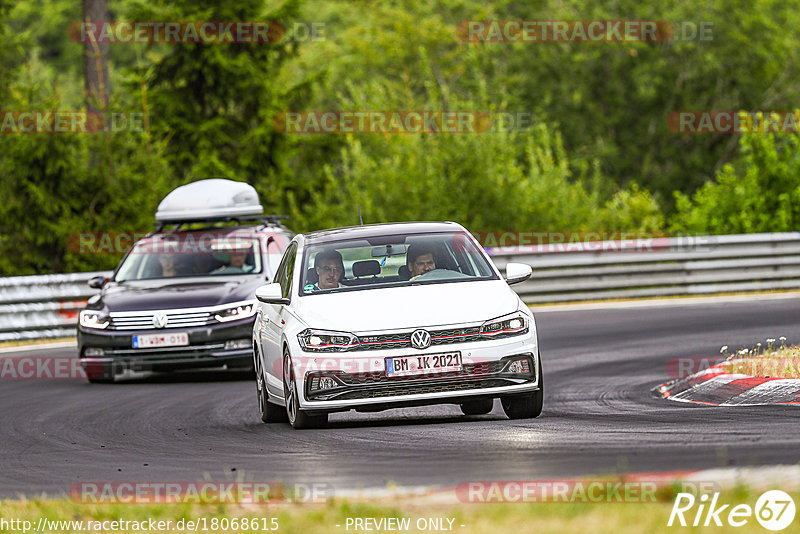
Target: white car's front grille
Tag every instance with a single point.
(438, 337)
(147, 320)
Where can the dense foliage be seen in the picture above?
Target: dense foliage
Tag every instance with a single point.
(595, 154)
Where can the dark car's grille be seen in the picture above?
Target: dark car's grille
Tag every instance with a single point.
(189, 350)
(175, 319)
(403, 340)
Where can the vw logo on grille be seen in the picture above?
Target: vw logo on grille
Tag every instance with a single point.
(420, 339)
(160, 320)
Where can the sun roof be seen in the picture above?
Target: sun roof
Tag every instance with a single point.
(213, 199)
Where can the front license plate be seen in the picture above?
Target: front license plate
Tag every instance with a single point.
(420, 365)
(173, 339)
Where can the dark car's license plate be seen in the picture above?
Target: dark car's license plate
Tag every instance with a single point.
(176, 339)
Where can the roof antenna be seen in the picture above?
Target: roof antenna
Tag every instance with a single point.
(359, 215)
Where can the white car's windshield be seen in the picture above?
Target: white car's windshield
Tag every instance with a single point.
(392, 261)
(176, 255)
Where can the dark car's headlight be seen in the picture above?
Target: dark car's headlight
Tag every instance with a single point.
(326, 340)
(242, 310)
(93, 319)
(512, 324)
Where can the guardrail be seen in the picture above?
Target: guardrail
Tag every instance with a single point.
(43, 306)
(694, 265)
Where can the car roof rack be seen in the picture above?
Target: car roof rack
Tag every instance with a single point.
(265, 220)
(212, 200)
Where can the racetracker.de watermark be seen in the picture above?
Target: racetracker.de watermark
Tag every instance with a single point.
(684, 366)
(204, 31)
(68, 121)
(582, 31)
(93, 366)
(198, 492)
(566, 241)
(402, 121)
(733, 122)
(44, 368)
(570, 491)
(385, 122)
(114, 243)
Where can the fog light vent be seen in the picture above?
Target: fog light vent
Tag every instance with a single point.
(519, 366)
(327, 382)
(93, 352)
(233, 344)
(319, 383)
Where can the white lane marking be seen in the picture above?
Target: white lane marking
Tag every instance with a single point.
(777, 476)
(38, 346)
(659, 303)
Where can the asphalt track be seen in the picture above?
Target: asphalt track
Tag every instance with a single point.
(599, 417)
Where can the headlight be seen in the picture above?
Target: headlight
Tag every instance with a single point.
(93, 319)
(326, 340)
(241, 311)
(513, 324)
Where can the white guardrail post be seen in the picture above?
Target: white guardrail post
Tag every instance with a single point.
(33, 307)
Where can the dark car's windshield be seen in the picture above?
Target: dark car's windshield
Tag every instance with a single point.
(392, 261)
(184, 255)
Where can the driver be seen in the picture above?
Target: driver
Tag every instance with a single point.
(330, 269)
(235, 262)
(419, 260)
(169, 265)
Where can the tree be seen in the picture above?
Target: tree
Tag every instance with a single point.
(95, 58)
(757, 192)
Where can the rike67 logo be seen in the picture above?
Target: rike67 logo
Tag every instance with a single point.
(774, 510)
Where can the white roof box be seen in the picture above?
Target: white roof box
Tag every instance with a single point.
(208, 200)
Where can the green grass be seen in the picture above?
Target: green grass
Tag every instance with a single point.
(782, 362)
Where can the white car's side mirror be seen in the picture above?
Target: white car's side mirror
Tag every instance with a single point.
(271, 294)
(517, 272)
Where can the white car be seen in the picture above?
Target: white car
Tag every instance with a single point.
(393, 315)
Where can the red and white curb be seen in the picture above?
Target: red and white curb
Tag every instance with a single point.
(715, 387)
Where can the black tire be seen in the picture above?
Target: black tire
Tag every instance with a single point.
(298, 418)
(244, 369)
(100, 373)
(477, 407)
(526, 406)
(100, 380)
(270, 412)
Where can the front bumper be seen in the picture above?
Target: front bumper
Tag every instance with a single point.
(206, 348)
(485, 373)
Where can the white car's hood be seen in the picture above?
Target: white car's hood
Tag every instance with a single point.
(408, 307)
